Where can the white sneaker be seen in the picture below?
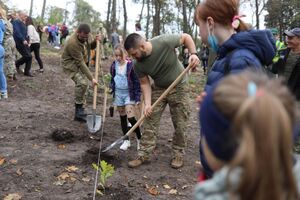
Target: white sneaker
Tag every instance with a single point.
(4, 95)
(125, 145)
(138, 144)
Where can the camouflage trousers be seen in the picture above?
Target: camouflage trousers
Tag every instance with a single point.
(81, 87)
(178, 101)
(10, 56)
(297, 142)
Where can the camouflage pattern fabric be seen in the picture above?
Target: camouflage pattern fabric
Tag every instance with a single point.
(297, 142)
(178, 101)
(10, 50)
(10, 56)
(81, 87)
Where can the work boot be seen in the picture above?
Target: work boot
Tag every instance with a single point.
(79, 113)
(177, 162)
(137, 162)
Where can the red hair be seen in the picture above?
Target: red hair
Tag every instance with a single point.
(222, 11)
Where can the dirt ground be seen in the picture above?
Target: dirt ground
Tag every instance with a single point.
(35, 166)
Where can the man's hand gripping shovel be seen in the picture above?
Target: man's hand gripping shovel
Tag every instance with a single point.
(138, 123)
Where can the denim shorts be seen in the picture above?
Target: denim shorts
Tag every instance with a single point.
(122, 98)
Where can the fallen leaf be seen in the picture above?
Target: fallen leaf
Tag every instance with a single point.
(184, 187)
(173, 191)
(145, 177)
(2, 160)
(19, 172)
(71, 168)
(13, 161)
(14, 196)
(153, 190)
(59, 182)
(63, 176)
(61, 146)
(35, 146)
(72, 179)
(86, 179)
(166, 186)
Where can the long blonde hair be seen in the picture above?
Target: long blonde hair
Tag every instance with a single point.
(262, 126)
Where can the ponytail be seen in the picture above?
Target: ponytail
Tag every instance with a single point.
(264, 153)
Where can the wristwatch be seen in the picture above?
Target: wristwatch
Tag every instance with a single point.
(194, 54)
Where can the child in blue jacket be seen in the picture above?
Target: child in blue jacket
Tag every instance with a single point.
(126, 91)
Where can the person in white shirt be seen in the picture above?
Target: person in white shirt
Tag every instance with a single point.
(34, 41)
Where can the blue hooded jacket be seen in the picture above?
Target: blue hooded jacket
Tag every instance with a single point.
(248, 49)
(253, 49)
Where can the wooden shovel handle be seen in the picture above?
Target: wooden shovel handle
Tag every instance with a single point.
(96, 75)
(163, 95)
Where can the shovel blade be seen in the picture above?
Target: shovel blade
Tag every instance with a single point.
(119, 141)
(93, 123)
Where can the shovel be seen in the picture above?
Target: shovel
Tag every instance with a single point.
(163, 95)
(94, 121)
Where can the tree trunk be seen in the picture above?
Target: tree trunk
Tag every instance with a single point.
(108, 14)
(257, 13)
(156, 18)
(31, 5)
(184, 15)
(148, 18)
(142, 10)
(43, 11)
(125, 19)
(113, 20)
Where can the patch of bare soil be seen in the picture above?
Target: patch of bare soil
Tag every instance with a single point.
(46, 155)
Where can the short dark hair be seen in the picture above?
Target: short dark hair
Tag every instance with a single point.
(132, 41)
(85, 28)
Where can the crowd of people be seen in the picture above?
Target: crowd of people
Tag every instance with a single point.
(249, 121)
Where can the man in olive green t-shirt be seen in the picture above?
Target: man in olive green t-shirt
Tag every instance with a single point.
(157, 58)
(73, 61)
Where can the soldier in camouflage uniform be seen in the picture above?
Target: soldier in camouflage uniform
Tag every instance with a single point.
(10, 50)
(157, 58)
(74, 61)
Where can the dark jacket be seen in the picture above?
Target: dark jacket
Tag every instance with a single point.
(293, 81)
(20, 31)
(252, 49)
(133, 81)
(248, 49)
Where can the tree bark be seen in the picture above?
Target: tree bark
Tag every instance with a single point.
(184, 15)
(31, 5)
(148, 18)
(108, 14)
(113, 16)
(125, 19)
(156, 18)
(43, 11)
(142, 10)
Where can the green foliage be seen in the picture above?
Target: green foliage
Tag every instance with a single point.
(106, 171)
(84, 13)
(282, 14)
(106, 79)
(56, 15)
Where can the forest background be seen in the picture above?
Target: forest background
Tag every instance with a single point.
(156, 16)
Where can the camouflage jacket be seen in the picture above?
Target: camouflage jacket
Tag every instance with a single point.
(75, 57)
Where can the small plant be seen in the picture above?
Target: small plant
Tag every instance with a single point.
(106, 171)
